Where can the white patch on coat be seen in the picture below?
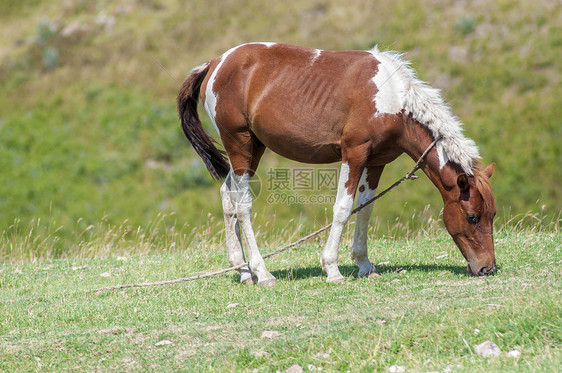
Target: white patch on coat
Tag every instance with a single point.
(342, 212)
(240, 189)
(241, 199)
(388, 99)
(364, 194)
(441, 154)
(211, 97)
(198, 69)
(359, 251)
(426, 105)
(315, 55)
(344, 200)
(267, 44)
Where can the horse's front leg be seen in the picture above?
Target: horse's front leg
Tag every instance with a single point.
(366, 191)
(342, 211)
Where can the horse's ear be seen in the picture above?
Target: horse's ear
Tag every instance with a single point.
(462, 182)
(489, 170)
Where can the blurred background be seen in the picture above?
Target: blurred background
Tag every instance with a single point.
(89, 131)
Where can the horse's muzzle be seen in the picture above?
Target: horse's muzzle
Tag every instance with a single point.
(484, 271)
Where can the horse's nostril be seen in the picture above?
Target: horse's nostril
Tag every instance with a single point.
(484, 271)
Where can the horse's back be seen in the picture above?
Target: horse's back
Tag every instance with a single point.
(301, 95)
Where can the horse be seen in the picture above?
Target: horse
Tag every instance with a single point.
(363, 108)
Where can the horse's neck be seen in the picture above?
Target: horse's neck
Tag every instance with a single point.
(416, 141)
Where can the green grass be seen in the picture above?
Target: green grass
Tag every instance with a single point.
(93, 165)
(421, 313)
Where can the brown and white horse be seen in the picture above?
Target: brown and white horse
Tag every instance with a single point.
(363, 108)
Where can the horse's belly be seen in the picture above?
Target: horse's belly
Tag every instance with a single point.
(316, 154)
(305, 146)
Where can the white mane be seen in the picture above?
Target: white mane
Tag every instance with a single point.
(396, 80)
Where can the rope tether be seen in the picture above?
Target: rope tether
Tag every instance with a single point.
(409, 176)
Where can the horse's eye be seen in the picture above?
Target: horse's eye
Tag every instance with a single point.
(472, 219)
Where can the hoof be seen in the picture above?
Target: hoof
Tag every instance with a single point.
(373, 274)
(335, 279)
(270, 282)
(370, 272)
(248, 279)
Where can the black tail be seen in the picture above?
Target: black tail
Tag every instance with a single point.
(204, 145)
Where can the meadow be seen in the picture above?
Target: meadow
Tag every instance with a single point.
(99, 187)
(423, 313)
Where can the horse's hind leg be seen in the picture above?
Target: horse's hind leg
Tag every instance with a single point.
(243, 207)
(245, 152)
(232, 232)
(366, 190)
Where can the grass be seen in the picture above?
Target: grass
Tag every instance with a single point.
(423, 313)
(95, 167)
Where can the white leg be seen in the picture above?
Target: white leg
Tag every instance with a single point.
(359, 250)
(232, 232)
(342, 211)
(242, 201)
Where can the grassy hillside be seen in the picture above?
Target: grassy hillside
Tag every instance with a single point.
(423, 313)
(88, 129)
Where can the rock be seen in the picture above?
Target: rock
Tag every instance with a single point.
(452, 368)
(77, 268)
(458, 54)
(514, 354)
(260, 354)
(105, 20)
(487, 349)
(164, 342)
(396, 369)
(294, 369)
(270, 334)
(322, 355)
(72, 28)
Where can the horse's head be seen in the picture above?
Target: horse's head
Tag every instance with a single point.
(469, 218)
